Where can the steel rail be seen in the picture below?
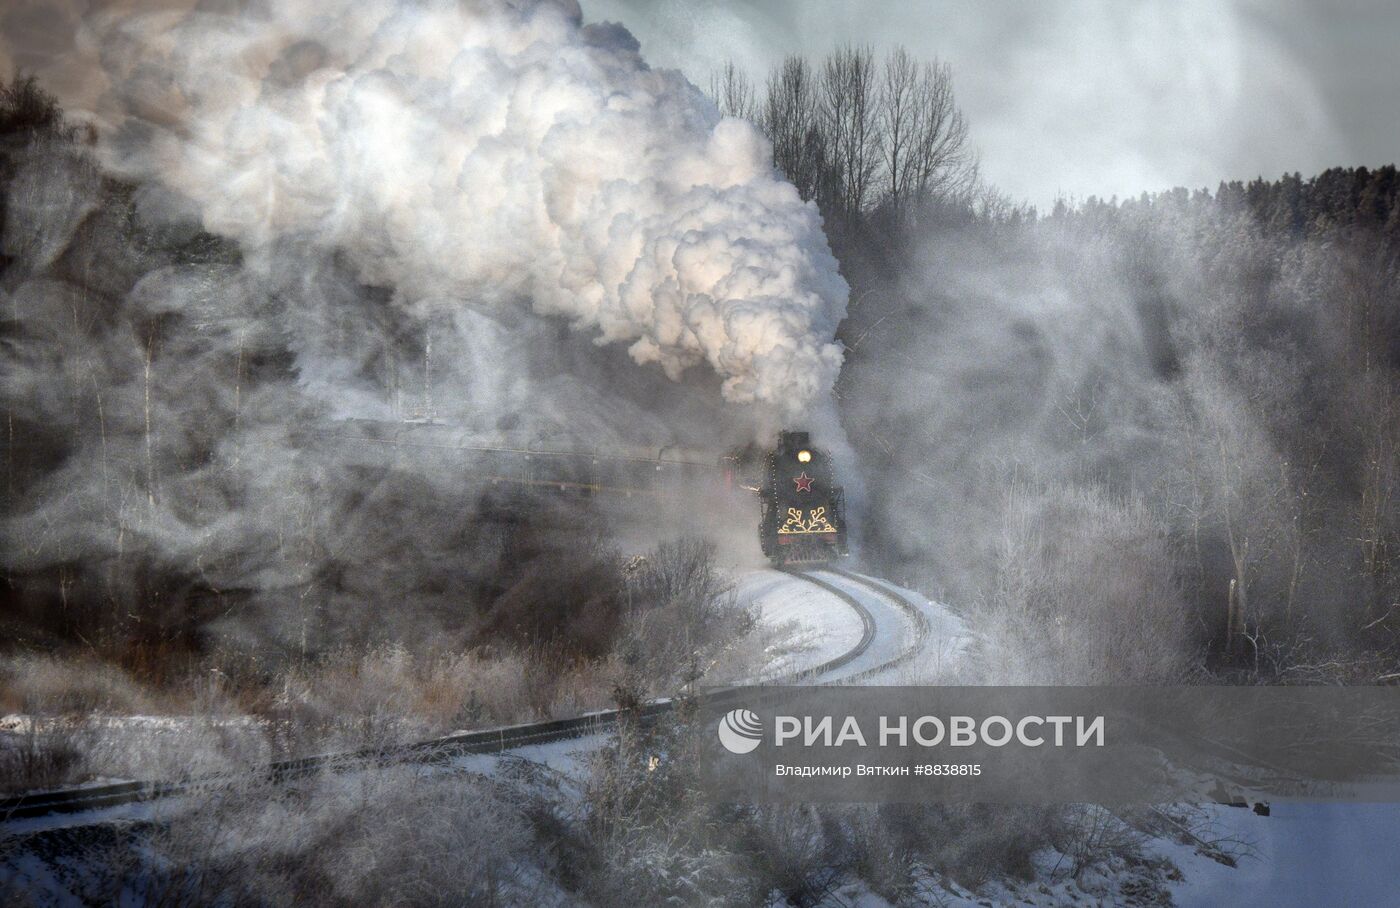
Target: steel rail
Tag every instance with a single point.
(867, 623)
(485, 741)
(917, 616)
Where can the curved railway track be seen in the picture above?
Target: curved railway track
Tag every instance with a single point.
(499, 740)
(918, 622)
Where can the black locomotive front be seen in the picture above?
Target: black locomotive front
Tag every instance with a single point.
(804, 517)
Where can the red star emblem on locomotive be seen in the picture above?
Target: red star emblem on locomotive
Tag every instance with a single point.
(804, 482)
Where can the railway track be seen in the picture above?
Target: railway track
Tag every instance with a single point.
(500, 740)
(918, 621)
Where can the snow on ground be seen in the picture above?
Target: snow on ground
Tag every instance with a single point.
(143, 811)
(21, 723)
(943, 624)
(568, 757)
(117, 748)
(940, 656)
(1303, 853)
(812, 626)
(815, 626)
(894, 629)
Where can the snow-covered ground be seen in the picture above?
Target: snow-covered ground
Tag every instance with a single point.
(939, 659)
(809, 624)
(1303, 853)
(894, 629)
(568, 757)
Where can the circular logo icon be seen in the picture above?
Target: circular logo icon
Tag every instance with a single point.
(740, 731)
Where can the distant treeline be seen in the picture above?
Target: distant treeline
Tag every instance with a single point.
(1289, 207)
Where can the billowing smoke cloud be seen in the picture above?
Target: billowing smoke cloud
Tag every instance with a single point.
(293, 214)
(485, 155)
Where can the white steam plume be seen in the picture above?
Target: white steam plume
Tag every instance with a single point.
(486, 154)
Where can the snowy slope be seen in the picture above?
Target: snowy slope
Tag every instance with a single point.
(941, 654)
(1304, 853)
(810, 625)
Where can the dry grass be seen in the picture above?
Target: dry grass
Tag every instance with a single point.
(388, 695)
(650, 838)
(77, 716)
(72, 686)
(392, 836)
(74, 722)
(33, 756)
(396, 836)
(639, 834)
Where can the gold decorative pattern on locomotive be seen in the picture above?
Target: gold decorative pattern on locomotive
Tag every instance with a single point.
(816, 523)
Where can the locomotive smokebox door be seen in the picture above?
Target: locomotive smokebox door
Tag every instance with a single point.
(803, 509)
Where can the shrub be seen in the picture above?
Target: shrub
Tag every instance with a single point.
(392, 836)
(1085, 592)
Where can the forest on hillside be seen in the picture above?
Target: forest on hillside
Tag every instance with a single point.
(1169, 423)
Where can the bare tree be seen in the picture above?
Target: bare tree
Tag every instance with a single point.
(943, 164)
(856, 136)
(1362, 297)
(923, 134)
(790, 117)
(899, 116)
(851, 123)
(733, 93)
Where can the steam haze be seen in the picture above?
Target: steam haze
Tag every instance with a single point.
(487, 215)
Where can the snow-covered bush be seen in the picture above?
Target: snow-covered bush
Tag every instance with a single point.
(393, 836)
(1085, 592)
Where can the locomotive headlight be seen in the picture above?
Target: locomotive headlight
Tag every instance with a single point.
(804, 456)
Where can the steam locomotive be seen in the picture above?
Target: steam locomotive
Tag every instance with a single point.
(804, 511)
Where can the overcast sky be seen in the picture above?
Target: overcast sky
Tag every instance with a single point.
(1102, 98)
